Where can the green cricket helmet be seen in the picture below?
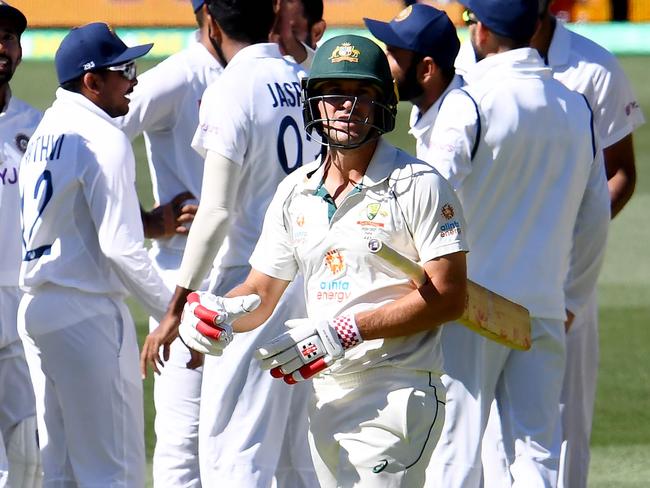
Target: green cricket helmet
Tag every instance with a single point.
(350, 57)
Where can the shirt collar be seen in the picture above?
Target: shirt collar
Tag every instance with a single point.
(558, 51)
(522, 59)
(381, 165)
(260, 50)
(206, 57)
(422, 122)
(65, 97)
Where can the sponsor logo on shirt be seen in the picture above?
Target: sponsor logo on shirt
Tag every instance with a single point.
(450, 229)
(369, 214)
(300, 220)
(447, 211)
(630, 107)
(335, 262)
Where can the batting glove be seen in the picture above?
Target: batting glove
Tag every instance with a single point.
(205, 323)
(308, 347)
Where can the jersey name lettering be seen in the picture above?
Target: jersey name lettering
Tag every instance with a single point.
(7, 177)
(285, 94)
(44, 148)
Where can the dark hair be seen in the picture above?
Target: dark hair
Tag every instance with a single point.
(313, 10)
(73, 85)
(200, 17)
(248, 21)
(511, 43)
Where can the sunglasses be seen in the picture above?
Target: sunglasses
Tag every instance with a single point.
(128, 70)
(468, 17)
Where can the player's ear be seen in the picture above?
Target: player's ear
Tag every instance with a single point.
(317, 31)
(426, 70)
(91, 82)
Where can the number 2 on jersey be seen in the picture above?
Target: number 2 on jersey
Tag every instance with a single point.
(45, 195)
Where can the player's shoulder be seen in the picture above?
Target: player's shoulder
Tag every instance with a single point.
(22, 109)
(408, 174)
(590, 52)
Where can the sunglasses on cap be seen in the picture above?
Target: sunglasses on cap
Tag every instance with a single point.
(128, 70)
(468, 17)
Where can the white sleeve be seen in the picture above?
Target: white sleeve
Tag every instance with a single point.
(589, 238)
(211, 223)
(616, 112)
(223, 125)
(154, 102)
(109, 188)
(273, 255)
(453, 137)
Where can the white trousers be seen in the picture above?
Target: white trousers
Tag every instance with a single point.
(576, 407)
(88, 389)
(375, 429)
(176, 395)
(248, 419)
(16, 392)
(526, 385)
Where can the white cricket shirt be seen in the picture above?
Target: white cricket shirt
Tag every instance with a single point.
(165, 106)
(252, 115)
(401, 200)
(81, 216)
(18, 121)
(535, 182)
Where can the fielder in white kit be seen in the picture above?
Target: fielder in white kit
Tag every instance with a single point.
(378, 409)
(165, 106)
(20, 464)
(251, 137)
(83, 254)
(584, 66)
(520, 151)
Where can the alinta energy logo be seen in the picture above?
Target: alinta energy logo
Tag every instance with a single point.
(335, 262)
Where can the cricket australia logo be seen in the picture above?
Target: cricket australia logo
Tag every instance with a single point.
(447, 211)
(335, 262)
(345, 52)
(372, 209)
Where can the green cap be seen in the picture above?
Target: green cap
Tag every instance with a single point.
(352, 57)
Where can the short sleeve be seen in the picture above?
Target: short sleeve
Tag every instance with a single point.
(453, 137)
(273, 254)
(224, 122)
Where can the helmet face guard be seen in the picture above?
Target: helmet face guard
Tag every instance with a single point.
(355, 58)
(379, 120)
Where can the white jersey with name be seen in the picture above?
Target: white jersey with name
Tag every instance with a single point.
(18, 121)
(400, 200)
(523, 188)
(165, 106)
(252, 115)
(81, 219)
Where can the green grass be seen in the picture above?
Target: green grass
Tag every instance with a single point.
(621, 434)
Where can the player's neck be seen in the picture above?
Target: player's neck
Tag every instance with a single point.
(349, 165)
(4, 96)
(542, 38)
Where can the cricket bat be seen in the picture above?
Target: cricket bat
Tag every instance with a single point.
(486, 313)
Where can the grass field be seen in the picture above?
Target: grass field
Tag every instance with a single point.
(621, 435)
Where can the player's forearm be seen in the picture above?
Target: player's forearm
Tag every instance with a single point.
(621, 187)
(441, 299)
(621, 172)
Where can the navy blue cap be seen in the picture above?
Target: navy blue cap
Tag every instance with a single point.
(90, 47)
(15, 17)
(422, 29)
(514, 19)
(197, 4)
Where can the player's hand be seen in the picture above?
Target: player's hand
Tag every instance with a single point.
(283, 33)
(570, 316)
(171, 218)
(308, 347)
(161, 336)
(205, 324)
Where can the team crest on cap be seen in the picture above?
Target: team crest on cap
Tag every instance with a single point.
(21, 142)
(345, 52)
(447, 211)
(335, 262)
(403, 14)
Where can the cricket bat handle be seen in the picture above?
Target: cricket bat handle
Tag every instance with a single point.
(486, 312)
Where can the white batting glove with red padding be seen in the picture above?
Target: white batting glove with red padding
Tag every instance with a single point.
(205, 324)
(308, 347)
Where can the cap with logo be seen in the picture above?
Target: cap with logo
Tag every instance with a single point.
(514, 19)
(422, 29)
(197, 4)
(14, 16)
(91, 47)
